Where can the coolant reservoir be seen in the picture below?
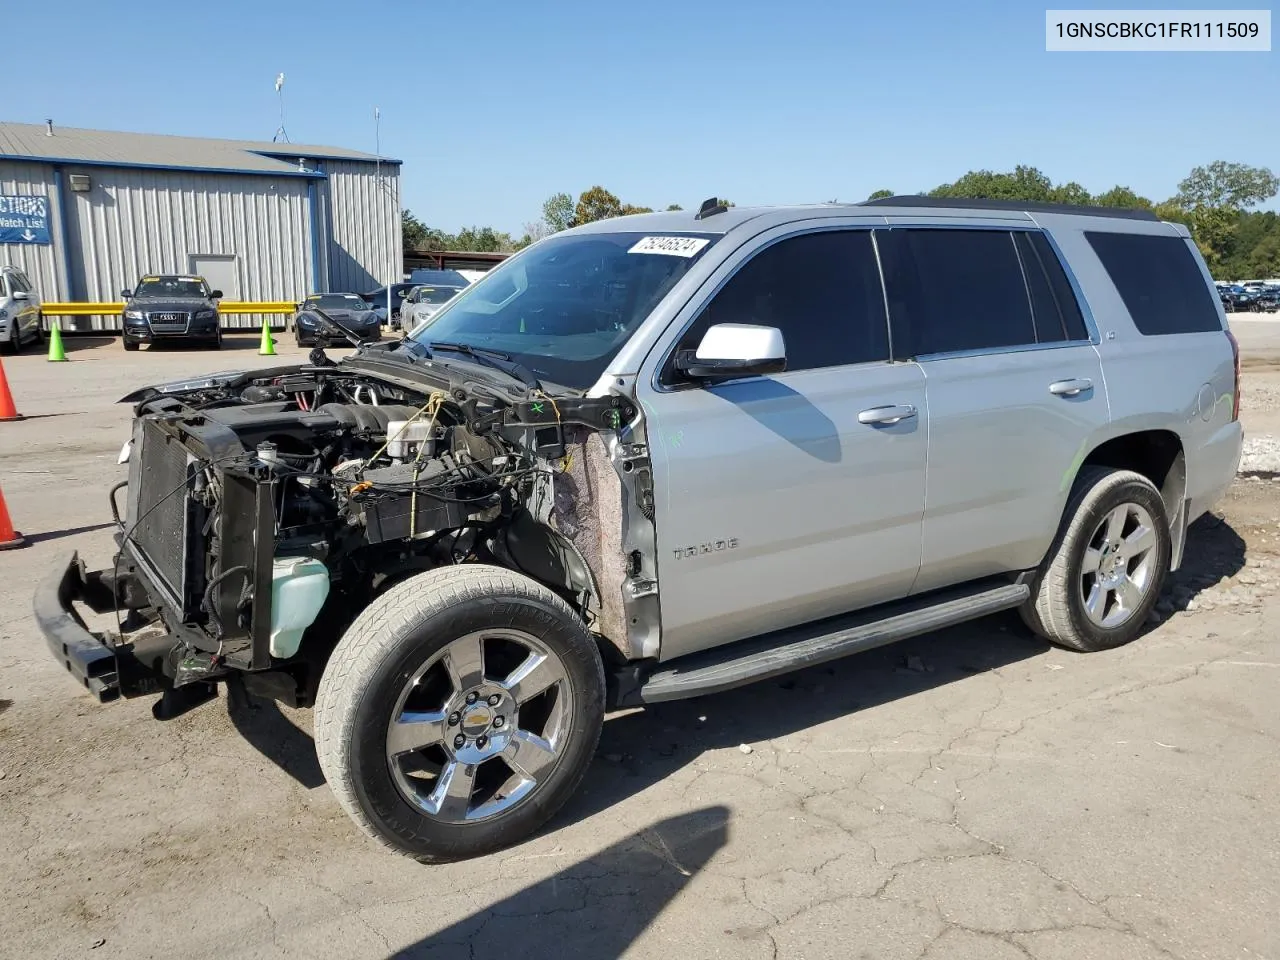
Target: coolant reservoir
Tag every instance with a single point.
(299, 586)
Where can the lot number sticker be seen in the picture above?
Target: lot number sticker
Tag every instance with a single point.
(671, 246)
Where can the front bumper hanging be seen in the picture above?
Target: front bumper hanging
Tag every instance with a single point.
(86, 655)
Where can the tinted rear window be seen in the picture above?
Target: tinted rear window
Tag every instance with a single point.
(1160, 282)
(954, 290)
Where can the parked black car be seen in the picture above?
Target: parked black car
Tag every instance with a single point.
(169, 307)
(350, 310)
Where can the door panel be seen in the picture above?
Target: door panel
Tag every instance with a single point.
(776, 505)
(1004, 447)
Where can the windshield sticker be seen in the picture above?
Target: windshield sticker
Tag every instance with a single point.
(671, 246)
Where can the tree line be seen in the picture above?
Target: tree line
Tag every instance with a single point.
(1217, 202)
(559, 212)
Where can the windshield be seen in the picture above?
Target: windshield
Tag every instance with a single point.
(172, 287)
(337, 301)
(436, 294)
(565, 307)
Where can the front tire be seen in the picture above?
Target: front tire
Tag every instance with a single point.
(1107, 565)
(459, 712)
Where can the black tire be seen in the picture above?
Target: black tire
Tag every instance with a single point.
(1056, 609)
(129, 345)
(39, 337)
(388, 644)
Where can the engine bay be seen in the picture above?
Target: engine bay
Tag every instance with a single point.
(377, 476)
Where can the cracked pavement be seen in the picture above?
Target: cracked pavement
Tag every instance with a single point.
(969, 794)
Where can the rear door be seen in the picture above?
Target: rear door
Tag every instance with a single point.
(1014, 390)
(781, 499)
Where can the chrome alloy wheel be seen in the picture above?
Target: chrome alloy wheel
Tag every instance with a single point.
(1118, 566)
(479, 726)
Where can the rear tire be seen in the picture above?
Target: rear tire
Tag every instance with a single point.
(1107, 565)
(441, 753)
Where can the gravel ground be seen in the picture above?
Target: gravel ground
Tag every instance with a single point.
(970, 794)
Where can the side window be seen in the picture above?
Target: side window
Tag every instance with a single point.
(1053, 303)
(1159, 280)
(822, 290)
(4, 284)
(953, 290)
(18, 281)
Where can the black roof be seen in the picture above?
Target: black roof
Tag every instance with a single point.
(1029, 206)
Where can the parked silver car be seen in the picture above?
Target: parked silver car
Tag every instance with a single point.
(20, 320)
(661, 456)
(423, 302)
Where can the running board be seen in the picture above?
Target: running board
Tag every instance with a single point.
(735, 665)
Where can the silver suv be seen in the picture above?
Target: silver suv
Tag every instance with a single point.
(661, 456)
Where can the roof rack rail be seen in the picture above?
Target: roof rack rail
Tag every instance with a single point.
(1029, 206)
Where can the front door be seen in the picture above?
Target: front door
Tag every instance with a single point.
(785, 498)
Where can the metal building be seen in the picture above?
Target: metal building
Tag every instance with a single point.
(85, 213)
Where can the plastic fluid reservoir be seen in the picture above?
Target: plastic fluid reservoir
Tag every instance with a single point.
(299, 586)
(404, 439)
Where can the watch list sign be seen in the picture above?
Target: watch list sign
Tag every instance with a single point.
(24, 219)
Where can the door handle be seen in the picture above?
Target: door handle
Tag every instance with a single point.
(1070, 388)
(887, 415)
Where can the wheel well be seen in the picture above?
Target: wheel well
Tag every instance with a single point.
(1151, 453)
(1158, 456)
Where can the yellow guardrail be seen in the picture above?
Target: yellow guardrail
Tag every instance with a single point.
(105, 309)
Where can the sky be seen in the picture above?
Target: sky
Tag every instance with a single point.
(494, 106)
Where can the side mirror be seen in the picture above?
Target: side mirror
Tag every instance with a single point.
(21, 295)
(127, 294)
(730, 350)
(215, 295)
(402, 294)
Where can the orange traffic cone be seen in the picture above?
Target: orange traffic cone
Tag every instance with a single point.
(9, 538)
(7, 410)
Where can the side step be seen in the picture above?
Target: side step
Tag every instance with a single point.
(771, 655)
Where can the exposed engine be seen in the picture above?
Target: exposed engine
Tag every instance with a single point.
(234, 481)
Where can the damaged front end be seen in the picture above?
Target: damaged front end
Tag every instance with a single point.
(263, 511)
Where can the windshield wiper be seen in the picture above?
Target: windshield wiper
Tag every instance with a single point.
(492, 358)
(335, 325)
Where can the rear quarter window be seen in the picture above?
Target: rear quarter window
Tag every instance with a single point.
(1159, 281)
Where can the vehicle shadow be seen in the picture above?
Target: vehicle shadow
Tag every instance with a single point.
(551, 918)
(265, 728)
(640, 748)
(1214, 552)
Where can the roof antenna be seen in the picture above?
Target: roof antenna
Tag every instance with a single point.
(280, 132)
(710, 207)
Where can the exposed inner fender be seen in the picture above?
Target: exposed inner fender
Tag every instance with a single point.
(549, 557)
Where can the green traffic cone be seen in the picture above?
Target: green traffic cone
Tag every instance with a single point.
(268, 348)
(56, 353)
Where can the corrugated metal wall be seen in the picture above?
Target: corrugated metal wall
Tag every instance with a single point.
(41, 263)
(133, 222)
(360, 202)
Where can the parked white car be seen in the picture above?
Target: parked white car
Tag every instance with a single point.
(423, 301)
(19, 310)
